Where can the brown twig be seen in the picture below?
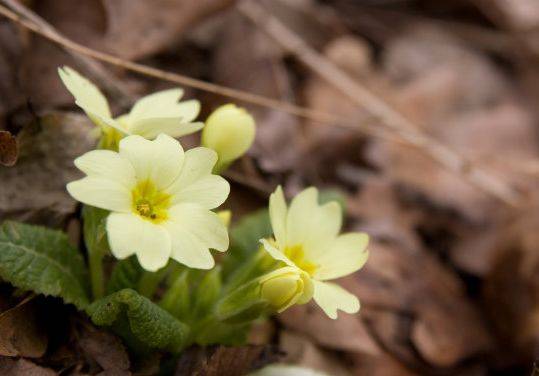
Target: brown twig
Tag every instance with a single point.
(91, 67)
(396, 123)
(390, 118)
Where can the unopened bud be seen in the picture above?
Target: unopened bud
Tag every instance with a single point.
(230, 131)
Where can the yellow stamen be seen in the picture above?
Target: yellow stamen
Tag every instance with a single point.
(297, 255)
(150, 203)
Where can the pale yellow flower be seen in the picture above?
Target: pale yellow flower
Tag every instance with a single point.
(307, 239)
(150, 116)
(230, 131)
(160, 200)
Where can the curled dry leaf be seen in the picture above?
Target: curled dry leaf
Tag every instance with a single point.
(258, 68)
(23, 367)
(299, 350)
(458, 97)
(224, 361)
(34, 189)
(21, 333)
(8, 149)
(512, 285)
(106, 349)
(347, 333)
(422, 298)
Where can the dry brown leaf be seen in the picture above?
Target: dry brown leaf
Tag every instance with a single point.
(512, 285)
(23, 367)
(224, 361)
(302, 352)
(21, 333)
(8, 149)
(131, 29)
(458, 97)
(10, 93)
(382, 215)
(34, 189)
(426, 301)
(347, 333)
(105, 349)
(247, 59)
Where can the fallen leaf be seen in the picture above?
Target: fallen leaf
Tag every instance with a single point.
(106, 349)
(34, 189)
(247, 59)
(8, 149)
(301, 351)
(347, 333)
(410, 289)
(21, 332)
(23, 367)
(224, 361)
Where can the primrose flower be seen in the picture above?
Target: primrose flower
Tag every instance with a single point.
(307, 240)
(150, 116)
(230, 131)
(160, 200)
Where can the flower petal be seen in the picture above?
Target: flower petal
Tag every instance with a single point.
(160, 160)
(196, 184)
(202, 223)
(346, 255)
(107, 164)
(278, 212)
(188, 249)
(312, 225)
(156, 105)
(332, 297)
(276, 253)
(130, 234)
(102, 193)
(172, 126)
(87, 95)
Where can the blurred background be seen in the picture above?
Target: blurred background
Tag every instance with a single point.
(421, 114)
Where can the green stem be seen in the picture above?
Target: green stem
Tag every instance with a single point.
(176, 299)
(95, 258)
(149, 281)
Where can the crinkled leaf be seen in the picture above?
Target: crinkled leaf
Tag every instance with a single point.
(42, 260)
(149, 324)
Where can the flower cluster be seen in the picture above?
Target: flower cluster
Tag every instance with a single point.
(158, 202)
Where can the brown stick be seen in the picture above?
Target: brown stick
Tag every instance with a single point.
(390, 118)
(398, 125)
(94, 69)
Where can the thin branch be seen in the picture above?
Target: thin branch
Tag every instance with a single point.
(400, 129)
(94, 69)
(389, 117)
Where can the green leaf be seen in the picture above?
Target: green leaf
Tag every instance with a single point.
(253, 227)
(145, 321)
(125, 275)
(245, 238)
(207, 292)
(42, 260)
(242, 305)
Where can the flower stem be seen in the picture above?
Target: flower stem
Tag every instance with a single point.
(97, 246)
(95, 258)
(149, 281)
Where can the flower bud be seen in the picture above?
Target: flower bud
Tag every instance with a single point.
(284, 287)
(230, 131)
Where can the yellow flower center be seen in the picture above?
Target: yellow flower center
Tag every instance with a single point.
(150, 203)
(296, 254)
